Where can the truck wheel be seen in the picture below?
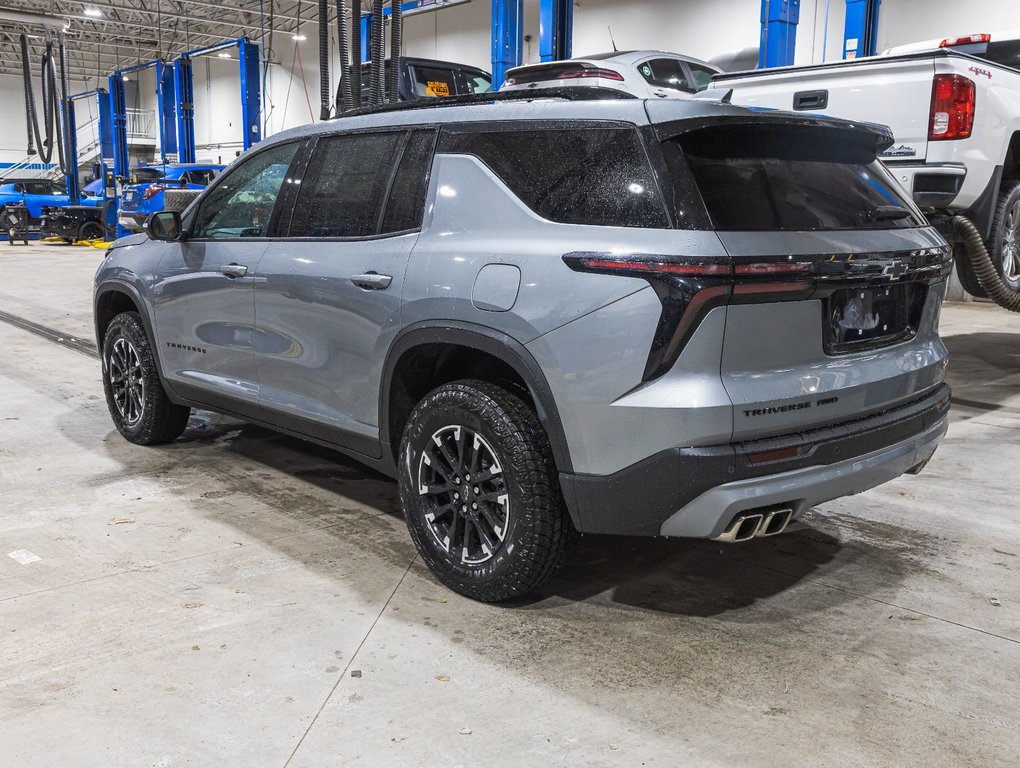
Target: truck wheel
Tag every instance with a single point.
(480, 491)
(91, 230)
(138, 403)
(1004, 242)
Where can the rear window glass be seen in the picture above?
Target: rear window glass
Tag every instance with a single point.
(540, 74)
(790, 179)
(1006, 53)
(430, 82)
(597, 176)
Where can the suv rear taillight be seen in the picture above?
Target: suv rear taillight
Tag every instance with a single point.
(951, 42)
(151, 191)
(589, 72)
(952, 108)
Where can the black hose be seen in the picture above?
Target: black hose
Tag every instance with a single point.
(378, 54)
(26, 73)
(65, 90)
(356, 54)
(396, 45)
(984, 269)
(345, 100)
(324, 94)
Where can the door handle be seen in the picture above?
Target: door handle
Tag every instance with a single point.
(372, 281)
(234, 270)
(662, 94)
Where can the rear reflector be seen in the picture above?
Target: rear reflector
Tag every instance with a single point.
(949, 42)
(777, 455)
(952, 108)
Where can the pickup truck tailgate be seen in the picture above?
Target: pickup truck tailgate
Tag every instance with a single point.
(891, 92)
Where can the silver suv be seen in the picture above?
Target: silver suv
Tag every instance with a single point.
(605, 315)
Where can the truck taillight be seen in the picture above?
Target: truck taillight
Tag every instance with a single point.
(951, 42)
(952, 108)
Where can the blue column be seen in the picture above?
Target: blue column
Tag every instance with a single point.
(778, 32)
(118, 123)
(556, 29)
(860, 30)
(507, 38)
(165, 110)
(251, 100)
(184, 104)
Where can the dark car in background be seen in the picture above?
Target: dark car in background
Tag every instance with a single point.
(429, 78)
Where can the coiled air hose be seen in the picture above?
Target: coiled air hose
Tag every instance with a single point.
(42, 142)
(345, 97)
(378, 90)
(324, 94)
(356, 54)
(396, 44)
(984, 268)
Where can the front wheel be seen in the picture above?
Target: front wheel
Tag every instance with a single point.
(1004, 243)
(91, 230)
(480, 492)
(139, 405)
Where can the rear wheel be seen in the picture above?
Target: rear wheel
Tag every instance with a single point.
(91, 230)
(139, 405)
(480, 492)
(1004, 242)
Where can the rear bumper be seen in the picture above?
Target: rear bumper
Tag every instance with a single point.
(696, 492)
(132, 221)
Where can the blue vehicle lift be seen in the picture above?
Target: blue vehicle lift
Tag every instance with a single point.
(860, 30)
(556, 29)
(251, 101)
(106, 149)
(779, 19)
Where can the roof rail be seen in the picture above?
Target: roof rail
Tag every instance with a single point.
(585, 93)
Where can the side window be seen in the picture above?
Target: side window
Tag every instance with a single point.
(478, 83)
(701, 76)
(665, 73)
(344, 186)
(406, 203)
(429, 81)
(586, 175)
(241, 205)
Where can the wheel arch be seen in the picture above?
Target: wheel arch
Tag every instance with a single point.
(111, 299)
(454, 338)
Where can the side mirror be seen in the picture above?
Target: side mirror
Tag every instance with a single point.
(165, 225)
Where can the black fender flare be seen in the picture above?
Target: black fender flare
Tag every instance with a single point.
(115, 285)
(492, 342)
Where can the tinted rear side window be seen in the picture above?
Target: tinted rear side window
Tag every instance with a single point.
(429, 81)
(1006, 53)
(407, 195)
(785, 179)
(344, 186)
(598, 176)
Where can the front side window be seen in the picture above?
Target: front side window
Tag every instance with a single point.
(478, 83)
(585, 175)
(665, 73)
(702, 76)
(344, 186)
(241, 205)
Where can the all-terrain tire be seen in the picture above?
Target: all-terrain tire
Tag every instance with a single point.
(536, 528)
(138, 404)
(1004, 240)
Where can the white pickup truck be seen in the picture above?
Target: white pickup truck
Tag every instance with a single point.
(954, 108)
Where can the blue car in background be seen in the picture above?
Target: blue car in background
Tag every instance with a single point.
(36, 194)
(140, 199)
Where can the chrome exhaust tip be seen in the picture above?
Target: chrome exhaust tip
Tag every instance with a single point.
(743, 527)
(775, 522)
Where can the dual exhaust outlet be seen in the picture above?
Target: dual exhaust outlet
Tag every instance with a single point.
(762, 522)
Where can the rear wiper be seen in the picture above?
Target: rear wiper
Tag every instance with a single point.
(883, 212)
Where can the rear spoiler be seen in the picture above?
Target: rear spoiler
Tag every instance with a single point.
(667, 124)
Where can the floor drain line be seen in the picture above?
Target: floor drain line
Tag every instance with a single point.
(51, 334)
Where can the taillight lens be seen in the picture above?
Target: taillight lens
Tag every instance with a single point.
(587, 72)
(950, 42)
(952, 108)
(151, 191)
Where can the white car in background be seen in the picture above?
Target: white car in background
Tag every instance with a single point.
(645, 74)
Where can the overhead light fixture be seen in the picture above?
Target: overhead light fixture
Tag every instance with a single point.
(299, 38)
(124, 78)
(223, 55)
(95, 13)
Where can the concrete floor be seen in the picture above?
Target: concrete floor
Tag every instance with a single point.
(243, 599)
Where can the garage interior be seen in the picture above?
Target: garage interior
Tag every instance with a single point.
(241, 597)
